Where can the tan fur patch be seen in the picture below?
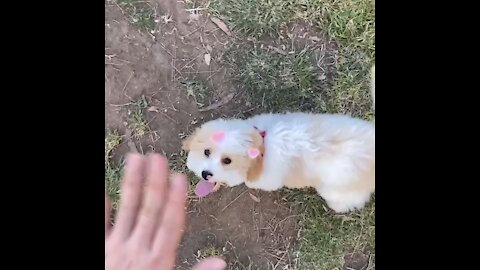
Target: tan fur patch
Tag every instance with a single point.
(255, 170)
(239, 163)
(256, 165)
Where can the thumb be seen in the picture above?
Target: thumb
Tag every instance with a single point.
(211, 263)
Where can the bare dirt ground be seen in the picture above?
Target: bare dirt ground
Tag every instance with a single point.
(257, 230)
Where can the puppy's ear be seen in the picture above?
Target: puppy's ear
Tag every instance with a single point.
(186, 143)
(255, 153)
(256, 166)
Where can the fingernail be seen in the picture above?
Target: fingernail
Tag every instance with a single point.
(218, 264)
(133, 157)
(158, 161)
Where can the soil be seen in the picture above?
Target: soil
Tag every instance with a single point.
(251, 228)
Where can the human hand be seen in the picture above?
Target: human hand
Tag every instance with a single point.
(150, 220)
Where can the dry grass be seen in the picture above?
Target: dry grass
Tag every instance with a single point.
(112, 170)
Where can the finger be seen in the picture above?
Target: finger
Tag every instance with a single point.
(107, 215)
(170, 228)
(153, 200)
(131, 194)
(211, 263)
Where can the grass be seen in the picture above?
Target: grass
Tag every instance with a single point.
(274, 81)
(327, 238)
(255, 18)
(112, 170)
(139, 13)
(350, 92)
(198, 90)
(208, 252)
(136, 117)
(192, 4)
(350, 22)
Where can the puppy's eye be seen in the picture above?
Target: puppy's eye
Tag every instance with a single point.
(207, 152)
(226, 161)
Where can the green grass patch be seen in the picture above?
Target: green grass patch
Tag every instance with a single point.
(198, 90)
(112, 170)
(350, 22)
(327, 238)
(276, 82)
(139, 13)
(255, 18)
(209, 251)
(350, 93)
(137, 117)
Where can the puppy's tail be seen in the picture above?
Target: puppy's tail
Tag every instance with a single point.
(372, 85)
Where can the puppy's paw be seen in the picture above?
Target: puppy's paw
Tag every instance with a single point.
(341, 207)
(342, 202)
(216, 187)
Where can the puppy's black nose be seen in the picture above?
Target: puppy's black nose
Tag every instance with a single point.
(206, 174)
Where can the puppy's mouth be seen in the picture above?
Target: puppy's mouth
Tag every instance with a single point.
(216, 184)
(210, 180)
(205, 187)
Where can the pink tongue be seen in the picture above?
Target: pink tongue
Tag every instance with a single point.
(203, 188)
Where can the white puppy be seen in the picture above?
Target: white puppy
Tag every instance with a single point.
(335, 154)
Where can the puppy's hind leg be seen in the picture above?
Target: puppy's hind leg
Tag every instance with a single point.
(341, 201)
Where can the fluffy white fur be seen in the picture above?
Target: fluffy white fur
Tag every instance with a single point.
(335, 154)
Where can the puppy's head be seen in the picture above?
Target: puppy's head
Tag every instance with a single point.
(228, 152)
